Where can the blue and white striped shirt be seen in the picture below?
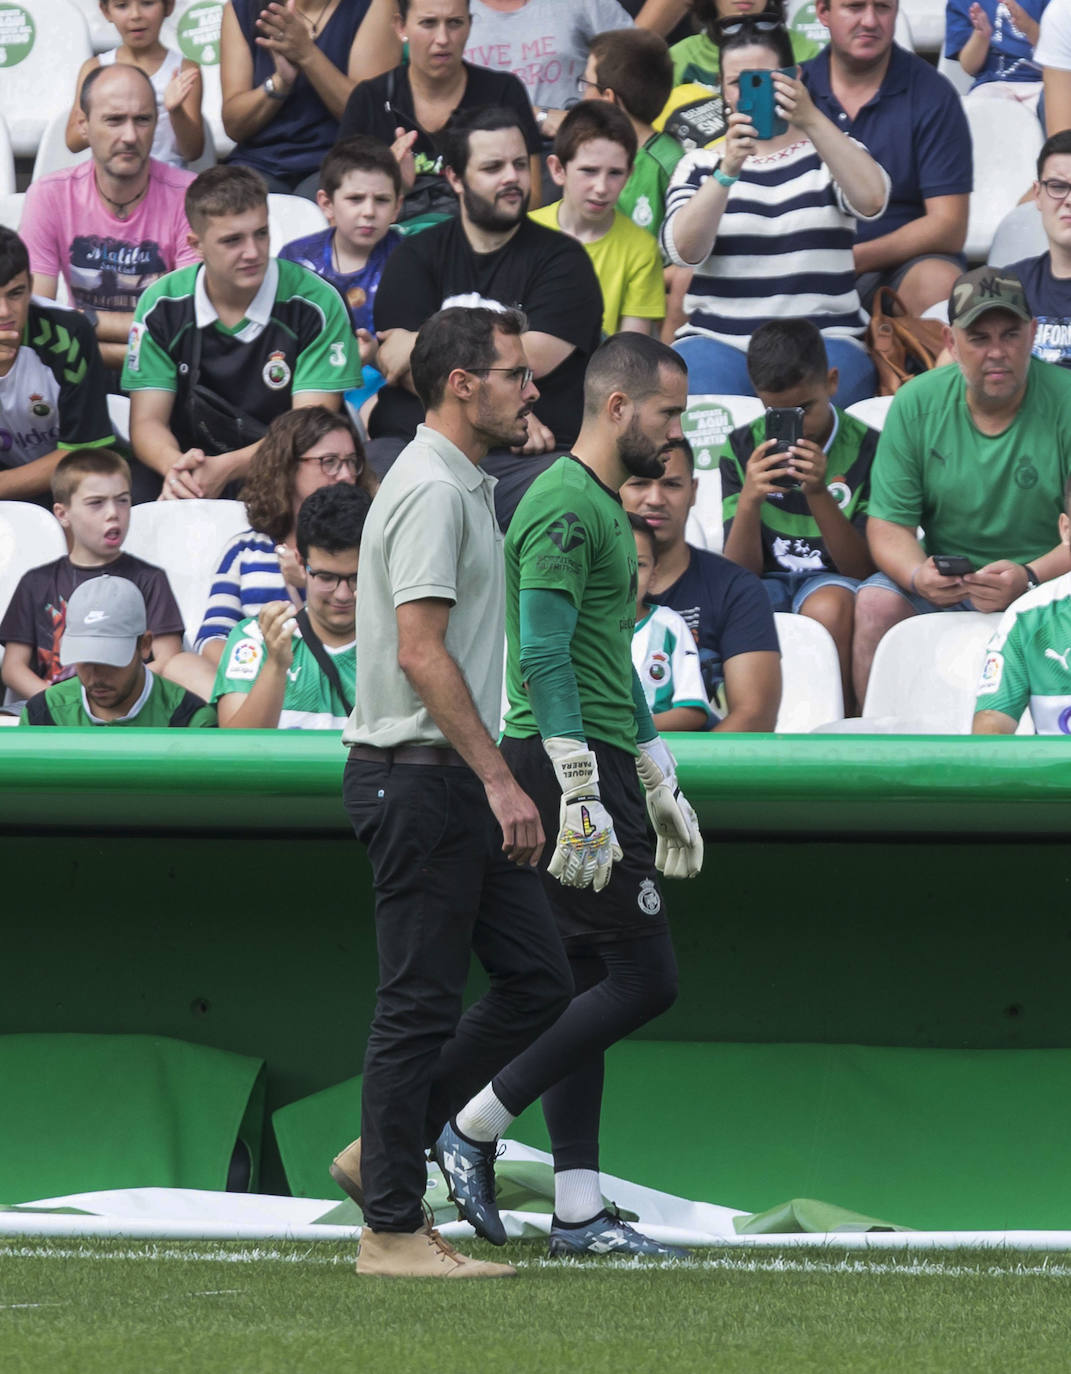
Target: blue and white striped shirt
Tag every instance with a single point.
(247, 579)
(783, 248)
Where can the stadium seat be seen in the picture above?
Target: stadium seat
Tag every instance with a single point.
(102, 32)
(926, 20)
(926, 672)
(1019, 235)
(29, 536)
(292, 217)
(872, 411)
(7, 161)
(186, 539)
(950, 69)
(119, 414)
(40, 73)
(811, 693)
(193, 28)
(707, 423)
(11, 209)
(1007, 139)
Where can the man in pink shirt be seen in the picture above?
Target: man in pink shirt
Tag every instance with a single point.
(109, 226)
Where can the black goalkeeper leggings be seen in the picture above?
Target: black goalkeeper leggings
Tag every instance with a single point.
(619, 987)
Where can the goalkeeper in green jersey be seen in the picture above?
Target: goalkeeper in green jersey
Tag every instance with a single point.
(580, 740)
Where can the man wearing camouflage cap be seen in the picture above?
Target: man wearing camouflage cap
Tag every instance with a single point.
(977, 455)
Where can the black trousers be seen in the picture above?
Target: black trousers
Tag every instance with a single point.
(444, 890)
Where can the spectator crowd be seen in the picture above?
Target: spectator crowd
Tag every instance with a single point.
(713, 175)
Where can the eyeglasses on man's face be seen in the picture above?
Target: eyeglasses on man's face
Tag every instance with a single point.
(328, 581)
(1055, 189)
(523, 376)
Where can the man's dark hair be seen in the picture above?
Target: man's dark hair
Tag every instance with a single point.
(460, 336)
(95, 75)
(1053, 145)
(361, 153)
(627, 362)
(635, 64)
(332, 518)
(784, 353)
(685, 447)
(223, 190)
(705, 14)
(14, 257)
(487, 119)
(640, 525)
(776, 41)
(589, 120)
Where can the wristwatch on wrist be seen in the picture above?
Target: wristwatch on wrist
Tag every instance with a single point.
(723, 178)
(272, 91)
(1032, 579)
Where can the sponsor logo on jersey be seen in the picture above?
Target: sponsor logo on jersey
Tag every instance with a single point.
(276, 371)
(992, 672)
(133, 348)
(1061, 659)
(797, 555)
(38, 405)
(245, 660)
(658, 666)
(1063, 721)
(567, 533)
(649, 899)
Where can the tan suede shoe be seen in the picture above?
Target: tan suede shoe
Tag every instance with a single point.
(421, 1255)
(346, 1171)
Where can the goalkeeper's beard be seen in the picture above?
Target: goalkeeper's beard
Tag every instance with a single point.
(640, 457)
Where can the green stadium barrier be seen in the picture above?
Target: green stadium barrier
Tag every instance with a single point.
(875, 891)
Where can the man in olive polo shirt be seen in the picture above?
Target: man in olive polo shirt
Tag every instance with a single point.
(977, 455)
(452, 839)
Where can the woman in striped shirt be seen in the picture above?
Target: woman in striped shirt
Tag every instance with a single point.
(768, 227)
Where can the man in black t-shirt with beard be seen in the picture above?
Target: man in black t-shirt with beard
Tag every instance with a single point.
(492, 254)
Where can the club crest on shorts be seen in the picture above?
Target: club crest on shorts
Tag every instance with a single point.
(649, 899)
(276, 372)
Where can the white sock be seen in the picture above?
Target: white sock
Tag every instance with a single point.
(484, 1117)
(577, 1195)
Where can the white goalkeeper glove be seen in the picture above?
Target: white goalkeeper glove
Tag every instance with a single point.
(680, 845)
(586, 847)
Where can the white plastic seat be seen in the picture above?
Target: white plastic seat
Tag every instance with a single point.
(811, 692)
(11, 209)
(119, 414)
(707, 423)
(872, 411)
(102, 32)
(37, 86)
(193, 28)
(926, 671)
(186, 539)
(1006, 139)
(1020, 234)
(29, 536)
(7, 161)
(926, 20)
(291, 217)
(951, 70)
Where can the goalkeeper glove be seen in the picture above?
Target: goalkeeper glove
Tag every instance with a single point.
(680, 845)
(586, 846)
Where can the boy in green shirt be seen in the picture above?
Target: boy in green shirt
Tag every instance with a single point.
(107, 643)
(798, 520)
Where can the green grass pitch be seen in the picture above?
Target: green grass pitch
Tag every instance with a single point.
(115, 1307)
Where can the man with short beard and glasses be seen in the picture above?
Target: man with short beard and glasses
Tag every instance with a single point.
(580, 740)
(493, 255)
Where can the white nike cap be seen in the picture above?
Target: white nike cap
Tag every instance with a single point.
(105, 617)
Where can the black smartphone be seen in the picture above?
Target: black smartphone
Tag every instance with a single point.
(785, 424)
(756, 100)
(952, 564)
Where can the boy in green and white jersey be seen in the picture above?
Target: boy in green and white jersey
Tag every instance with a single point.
(293, 670)
(1028, 661)
(664, 652)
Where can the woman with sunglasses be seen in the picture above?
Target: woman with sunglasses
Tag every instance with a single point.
(767, 225)
(696, 58)
(303, 450)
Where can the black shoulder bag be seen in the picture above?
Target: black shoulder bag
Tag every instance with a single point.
(328, 666)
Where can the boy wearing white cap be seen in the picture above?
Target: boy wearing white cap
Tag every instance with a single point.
(107, 643)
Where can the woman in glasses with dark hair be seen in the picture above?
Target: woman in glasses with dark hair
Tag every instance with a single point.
(303, 450)
(696, 58)
(767, 225)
